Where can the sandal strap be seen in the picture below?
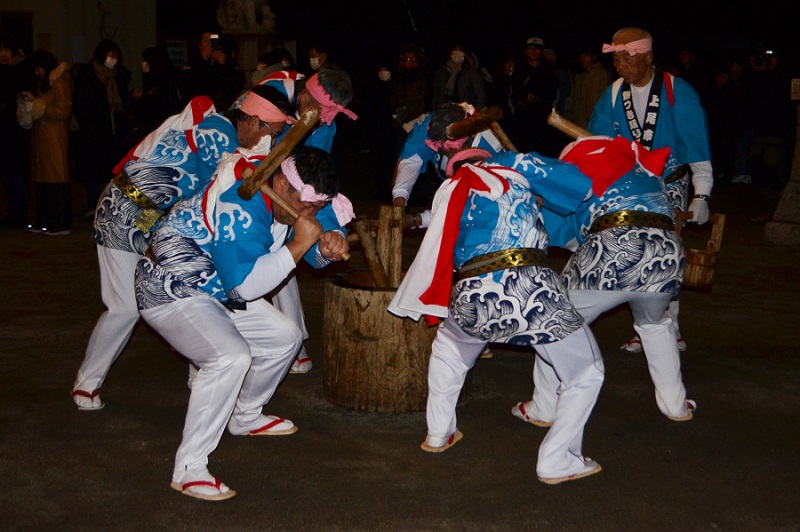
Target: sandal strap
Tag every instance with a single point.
(268, 426)
(87, 394)
(216, 484)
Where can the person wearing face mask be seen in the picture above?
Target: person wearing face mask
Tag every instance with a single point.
(215, 71)
(317, 56)
(102, 104)
(458, 81)
(379, 131)
(287, 59)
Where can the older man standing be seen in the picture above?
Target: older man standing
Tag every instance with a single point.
(658, 110)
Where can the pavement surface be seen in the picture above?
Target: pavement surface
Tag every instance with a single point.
(735, 466)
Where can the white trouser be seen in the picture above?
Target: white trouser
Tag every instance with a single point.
(242, 357)
(672, 311)
(579, 365)
(576, 358)
(653, 325)
(287, 300)
(114, 328)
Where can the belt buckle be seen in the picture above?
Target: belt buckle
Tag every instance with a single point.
(147, 219)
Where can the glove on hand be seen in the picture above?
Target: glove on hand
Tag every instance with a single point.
(699, 207)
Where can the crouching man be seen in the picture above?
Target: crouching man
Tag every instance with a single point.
(486, 223)
(201, 286)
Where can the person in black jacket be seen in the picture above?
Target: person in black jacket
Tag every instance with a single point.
(15, 143)
(102, 105)
(216, 72)
(160, 96)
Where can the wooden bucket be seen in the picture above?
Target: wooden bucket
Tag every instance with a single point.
(701, 263)
(373, 361)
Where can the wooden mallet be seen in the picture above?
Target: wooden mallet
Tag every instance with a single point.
(255, 180)
(475, 123)
(565, 126)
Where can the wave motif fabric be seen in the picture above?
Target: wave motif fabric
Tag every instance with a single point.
(509, 221)
(171, 171)
(520, 306)
(185, 268)
(621, 258)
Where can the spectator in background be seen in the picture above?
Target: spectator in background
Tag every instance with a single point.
(772, 116)
(564, 77)
(457, 81)
(52, 108)
(412, 91)
(738, 67)
(15, 144)
(268, 62)
(535, 90)
(472, 59)
(692, 69)
(317, 56)
(725, 111)
(103, 109)
(501, 93)
(590, 83)
(287, 59)
(379, 127)
(160, 96)
(215, 72)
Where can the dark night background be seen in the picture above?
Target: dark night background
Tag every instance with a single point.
(361, 33)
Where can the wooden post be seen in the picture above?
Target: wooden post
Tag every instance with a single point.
(384, 238)
(398, 214)
(371, 254)
(373, 361)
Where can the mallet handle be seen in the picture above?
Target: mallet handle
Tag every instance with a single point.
(565, 126)
(280, 152)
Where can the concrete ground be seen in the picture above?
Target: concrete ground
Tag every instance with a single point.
(734, 467)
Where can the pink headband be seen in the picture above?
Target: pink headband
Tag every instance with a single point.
(329, 108)
(438, 145)
(465, 154)
(635, 47)
(265, 110)
(341, 205)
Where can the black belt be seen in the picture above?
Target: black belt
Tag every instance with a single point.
(632, 219)
(234, 305)
(501, 260)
